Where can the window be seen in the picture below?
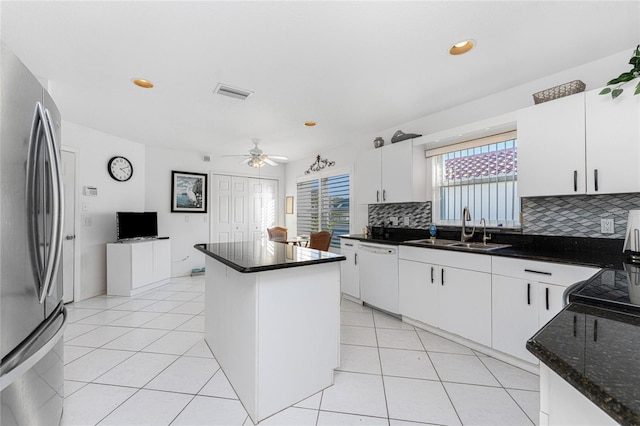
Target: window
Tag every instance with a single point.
(481, 177)
(324, 204)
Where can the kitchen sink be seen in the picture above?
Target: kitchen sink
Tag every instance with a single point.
(478, 246)
(434, 242)
(460, 245)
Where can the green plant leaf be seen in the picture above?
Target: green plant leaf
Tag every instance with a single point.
(637, 92)
(605, 91)
(616, 92)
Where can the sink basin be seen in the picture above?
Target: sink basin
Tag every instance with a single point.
(478, 246)
(430, 242)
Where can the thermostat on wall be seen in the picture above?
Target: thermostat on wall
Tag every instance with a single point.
(90, 191)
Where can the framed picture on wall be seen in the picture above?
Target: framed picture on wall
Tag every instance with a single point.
(188, 192)
(288, 206)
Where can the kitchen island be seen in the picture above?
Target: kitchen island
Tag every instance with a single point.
(272, 320)
(589, 369)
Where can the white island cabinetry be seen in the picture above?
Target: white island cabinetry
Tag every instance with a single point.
(137, 266)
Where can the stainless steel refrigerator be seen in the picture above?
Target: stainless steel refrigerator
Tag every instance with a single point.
(32, 316)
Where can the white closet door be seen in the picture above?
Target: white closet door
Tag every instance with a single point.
(221, 209)
(239, 208)
(243, 208)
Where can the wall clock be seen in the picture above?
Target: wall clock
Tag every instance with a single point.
(120, 168)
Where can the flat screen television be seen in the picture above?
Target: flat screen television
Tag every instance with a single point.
(136, 225)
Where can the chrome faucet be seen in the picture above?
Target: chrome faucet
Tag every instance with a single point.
(484, 231)
(466, 216)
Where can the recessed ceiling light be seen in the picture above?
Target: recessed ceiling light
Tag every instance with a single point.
(462, 47)
(310, 123)
(141, 82)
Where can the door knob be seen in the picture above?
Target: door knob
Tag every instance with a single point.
(70, 237)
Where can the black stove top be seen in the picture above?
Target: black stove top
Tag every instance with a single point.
(613, 288)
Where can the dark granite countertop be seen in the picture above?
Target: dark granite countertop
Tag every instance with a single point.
(593, 342)
(264, 255)
(596, 351)
(595, 252)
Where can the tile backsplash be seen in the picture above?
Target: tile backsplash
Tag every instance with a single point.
(568, 216)
(419, 214)
(577, 215)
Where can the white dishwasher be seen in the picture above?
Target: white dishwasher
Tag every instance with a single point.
(378, 269)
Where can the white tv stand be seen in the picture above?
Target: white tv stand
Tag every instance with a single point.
(138, 265)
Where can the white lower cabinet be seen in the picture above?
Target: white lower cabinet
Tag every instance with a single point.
(135, 266)
(525, 296)
(349, 275)
(418, 291)
(452, 298)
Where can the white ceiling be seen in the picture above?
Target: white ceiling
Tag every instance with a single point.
(353, 67)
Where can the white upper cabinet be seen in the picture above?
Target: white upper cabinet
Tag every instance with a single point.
(613, 142)
(582, 144)
(395, 173)
(551, 148)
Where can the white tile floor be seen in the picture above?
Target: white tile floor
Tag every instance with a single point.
(143, 360)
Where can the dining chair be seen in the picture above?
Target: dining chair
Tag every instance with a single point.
(277, 233)
(320, 240)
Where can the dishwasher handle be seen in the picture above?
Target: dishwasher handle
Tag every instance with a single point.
(377, 249)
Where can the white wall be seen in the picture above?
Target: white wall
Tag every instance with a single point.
(187, 229)
(594, 74)
(97, 225)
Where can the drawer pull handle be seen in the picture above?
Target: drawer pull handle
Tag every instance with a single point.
(442, 276)
(595, 179)
(595, 330)
(432, 275)
(537, 272)
(575, 326)
(528, 293)
(546, 297)
(355, 259)
(378, 196)
(575, 181)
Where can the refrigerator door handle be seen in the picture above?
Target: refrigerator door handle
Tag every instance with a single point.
(24, 357)
(32, 201)
(57, 202)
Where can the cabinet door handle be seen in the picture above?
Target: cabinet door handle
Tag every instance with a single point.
(384, 195)
(575, 181)
(378, 196)
(595, 179)
(432, 275)
(533, 271)
(546, 297)
(595, 330)
(355, 259)
(528, 293)
(575, 326)
(442, 276)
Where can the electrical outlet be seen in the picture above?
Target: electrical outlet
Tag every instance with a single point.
(394, 220)
(606, 226)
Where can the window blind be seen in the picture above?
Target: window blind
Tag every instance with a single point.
(324, 204)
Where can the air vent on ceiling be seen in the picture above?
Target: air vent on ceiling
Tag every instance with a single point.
(234, 92)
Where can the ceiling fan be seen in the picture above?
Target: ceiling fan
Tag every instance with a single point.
(256, 158)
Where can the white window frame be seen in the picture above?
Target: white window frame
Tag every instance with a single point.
(327, 174)
(435, 189)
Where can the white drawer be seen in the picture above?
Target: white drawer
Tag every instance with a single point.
(547, 272)
(348, 244)
(454, 259)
